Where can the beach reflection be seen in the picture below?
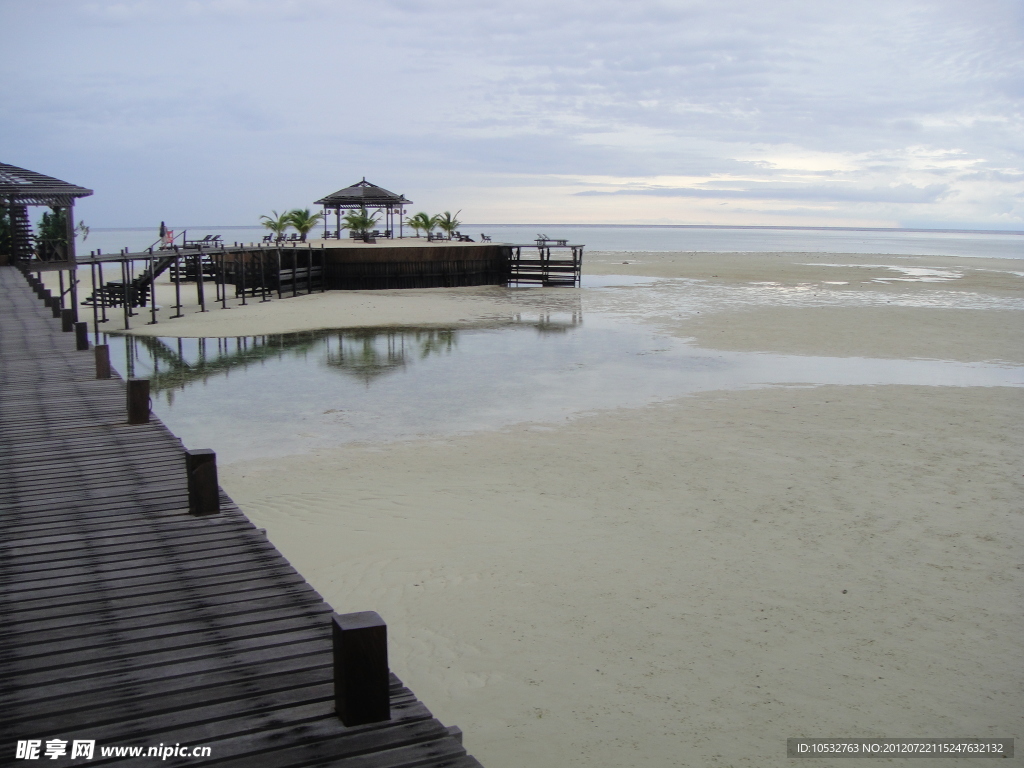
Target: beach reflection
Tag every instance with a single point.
(366, 354)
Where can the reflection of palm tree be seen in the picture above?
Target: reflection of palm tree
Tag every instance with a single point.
(435, 342)
(370, 354)
(303, 221)
(359, 221)
(447, 223)
(422, 221)
(278, 223)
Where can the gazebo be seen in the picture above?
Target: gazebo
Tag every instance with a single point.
(363, 194)
(20, 188)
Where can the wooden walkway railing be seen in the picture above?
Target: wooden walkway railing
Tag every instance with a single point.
(128, 621)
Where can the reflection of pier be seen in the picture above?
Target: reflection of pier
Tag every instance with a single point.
(363, 353)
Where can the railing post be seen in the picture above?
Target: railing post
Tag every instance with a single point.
(203, 493)
(82, 337)
(67, 320)
(361, 674)
(138, 401)
(102, 361)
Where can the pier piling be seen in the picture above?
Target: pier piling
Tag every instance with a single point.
(138, 401)
(203, 494)
(82, 336)
(361, 668)
(102, 352)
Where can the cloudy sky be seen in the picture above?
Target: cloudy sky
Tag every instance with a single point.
(790, 112)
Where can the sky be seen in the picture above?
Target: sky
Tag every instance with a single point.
(888, 113)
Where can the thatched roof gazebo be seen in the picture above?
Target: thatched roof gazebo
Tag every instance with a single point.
(20, 188)
(367, 196)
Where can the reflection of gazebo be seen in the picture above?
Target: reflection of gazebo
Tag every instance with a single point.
(20, 188)
(369, 196)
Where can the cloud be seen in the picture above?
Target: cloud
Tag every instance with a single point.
(911, 104)
(904, 193)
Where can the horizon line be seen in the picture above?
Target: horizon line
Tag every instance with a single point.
(644, 226)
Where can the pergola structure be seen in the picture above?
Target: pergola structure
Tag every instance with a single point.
(368, 196)
(20, 188)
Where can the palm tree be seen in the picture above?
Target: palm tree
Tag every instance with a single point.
(303, 221)
(422, 221)
(448, 223)
(277, 223)
(359, 221)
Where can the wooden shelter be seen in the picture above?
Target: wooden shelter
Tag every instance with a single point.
(364, 195)
(20, 188)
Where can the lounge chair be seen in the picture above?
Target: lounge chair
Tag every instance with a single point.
(484, 238)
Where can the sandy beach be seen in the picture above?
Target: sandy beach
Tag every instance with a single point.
(691, 581)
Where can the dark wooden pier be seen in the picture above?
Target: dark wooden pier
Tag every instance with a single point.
(131, 622)
(120, 285)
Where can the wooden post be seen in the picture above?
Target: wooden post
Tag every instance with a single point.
(240, 273)
(95, 298)
(177, 283)
(361, 675)
(124, 303)
(138, 401)
(200, 285)
(67, 320)
(103, 289)
(82, 337)
(152, 288)
(102, 352)
(203, 494)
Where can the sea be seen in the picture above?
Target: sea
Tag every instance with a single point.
(709, 239)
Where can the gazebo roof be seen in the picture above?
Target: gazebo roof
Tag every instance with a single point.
(26, 187)
(363, 194)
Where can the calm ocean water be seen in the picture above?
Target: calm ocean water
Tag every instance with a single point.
(622, 238)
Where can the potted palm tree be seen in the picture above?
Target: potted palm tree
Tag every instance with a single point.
(422, 221)
(448, 223)
(303, 221)
(278, 223)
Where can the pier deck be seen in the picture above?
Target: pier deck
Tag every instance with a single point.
(130, 622)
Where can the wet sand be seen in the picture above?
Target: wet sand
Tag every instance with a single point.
(691, 582)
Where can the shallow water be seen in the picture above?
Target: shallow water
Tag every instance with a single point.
(295, 393)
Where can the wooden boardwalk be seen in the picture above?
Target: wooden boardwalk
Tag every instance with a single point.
(127, 621)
